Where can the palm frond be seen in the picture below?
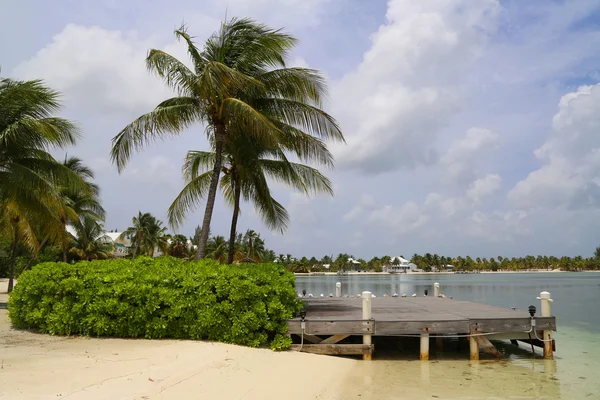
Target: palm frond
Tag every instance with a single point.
(156, 125)
(176, 74)
(188, 199)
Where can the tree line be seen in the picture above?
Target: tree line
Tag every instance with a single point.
(434, 262)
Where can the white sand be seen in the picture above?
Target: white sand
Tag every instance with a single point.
(35, 366)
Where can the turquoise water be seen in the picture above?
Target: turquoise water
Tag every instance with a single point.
(573, 374)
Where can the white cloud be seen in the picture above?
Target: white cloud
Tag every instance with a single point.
(407, 86)
(459, 160)
(484, 187)
(570, 157)
(98, 68)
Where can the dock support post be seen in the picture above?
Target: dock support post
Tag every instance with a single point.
(366, 309)
(473, 348)
(436, 289)
(338, 289)
(424, 347)
(547, 335)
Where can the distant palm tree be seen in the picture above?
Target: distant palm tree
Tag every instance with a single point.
(155, 238)
(146, 235)
(30, 177)
(78, 204)
(179, 247)
(217, 248)
(241, 64)
(87, 243)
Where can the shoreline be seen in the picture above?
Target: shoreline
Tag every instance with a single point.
(555, 271)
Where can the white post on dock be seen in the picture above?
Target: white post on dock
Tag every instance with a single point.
(436, 290)
(473, 348)
(546, 300)
(366, 309)
(338, 289)
(424, 355)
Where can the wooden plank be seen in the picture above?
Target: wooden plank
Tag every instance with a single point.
(511, 324)
(487, 346)
(335, 349)
(538, 343)
(334, 339)
(312, 338)
(508, 336)
(329, 328)
(391, 328)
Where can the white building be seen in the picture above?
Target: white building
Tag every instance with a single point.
(399, 265)
(353, 265)
(121, 246)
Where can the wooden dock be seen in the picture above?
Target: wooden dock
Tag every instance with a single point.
(329, 321)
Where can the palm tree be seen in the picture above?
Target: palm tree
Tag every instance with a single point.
(179, 246)
(155, 237)
(30, 178)
(217, 248)
(87, 241)
(136, 232)
(240, 65)
(246, 174)
(146, 235)
(78, 204)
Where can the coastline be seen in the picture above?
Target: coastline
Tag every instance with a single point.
(438, 273)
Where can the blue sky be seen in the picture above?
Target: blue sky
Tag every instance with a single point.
(472, 126)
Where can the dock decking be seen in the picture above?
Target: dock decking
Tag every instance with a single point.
(422, 316)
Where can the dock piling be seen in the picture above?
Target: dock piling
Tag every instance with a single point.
(547, 334)
(366, 314)
(473, 348)
(436, 289)
(338, 289)
(424, 354)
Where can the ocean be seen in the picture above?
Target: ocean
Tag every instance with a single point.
(573, 374)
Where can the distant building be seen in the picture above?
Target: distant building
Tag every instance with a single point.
(121, 246)
(444, 268)
(399, 265)
(353, 265)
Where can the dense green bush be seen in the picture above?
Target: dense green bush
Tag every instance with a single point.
(158, 298)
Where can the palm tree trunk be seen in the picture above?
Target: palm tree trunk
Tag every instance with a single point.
(64, 242)
(237, 191)
(13, 256)
(34, 256)
(212, 191)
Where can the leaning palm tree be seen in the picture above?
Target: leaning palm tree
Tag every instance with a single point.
(30, 178)
(243, 61)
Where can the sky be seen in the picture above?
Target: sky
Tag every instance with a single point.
(472, 127)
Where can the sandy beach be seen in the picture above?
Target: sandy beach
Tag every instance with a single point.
(37, 367)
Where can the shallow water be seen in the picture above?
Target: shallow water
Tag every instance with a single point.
(573, 374)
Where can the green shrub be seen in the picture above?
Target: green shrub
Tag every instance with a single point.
(165, 297)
